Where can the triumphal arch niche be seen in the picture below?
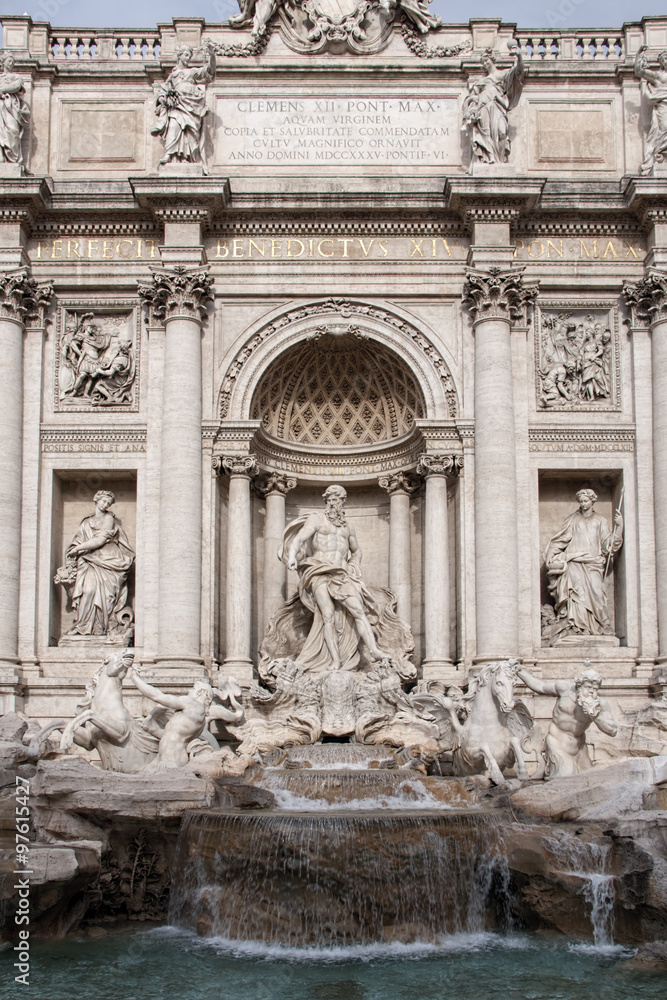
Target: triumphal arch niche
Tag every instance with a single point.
(228, 284)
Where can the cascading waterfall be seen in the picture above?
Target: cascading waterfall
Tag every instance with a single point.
(590, 862)
(311, 879)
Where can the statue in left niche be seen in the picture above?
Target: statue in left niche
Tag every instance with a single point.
(97, 563)
(97, 363)
(181, 108)
(14, 113)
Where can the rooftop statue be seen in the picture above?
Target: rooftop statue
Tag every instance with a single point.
(181, 108)
(577, 561)
(14, 112)
(654, 86)
(486, 108)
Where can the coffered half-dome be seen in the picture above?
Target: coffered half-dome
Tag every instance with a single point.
(342, 390)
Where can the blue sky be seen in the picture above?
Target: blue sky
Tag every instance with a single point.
(527, 13)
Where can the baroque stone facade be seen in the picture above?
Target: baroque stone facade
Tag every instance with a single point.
(226, 285)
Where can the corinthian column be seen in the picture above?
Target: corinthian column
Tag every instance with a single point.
(497, 298)
(435, 469)
(21, 299)
(400, 486)
(647, 300)
(238, 660)
(274, 488)
(177, 297)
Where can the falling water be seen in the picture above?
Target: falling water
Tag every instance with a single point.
(590, 862)
(305, 791)
(325, 879)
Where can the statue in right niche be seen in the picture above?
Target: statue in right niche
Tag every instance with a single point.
(486, 108)
(578, 559)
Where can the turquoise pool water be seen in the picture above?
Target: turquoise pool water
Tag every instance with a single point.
(163, 963)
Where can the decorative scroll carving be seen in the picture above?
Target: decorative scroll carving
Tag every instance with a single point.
(180, 107)
(14, 113)
(439, 465)
(311, 26)
(24, 299)
(345, 309)
(96, 360)
(654, 87)
(399, 482)
(242, 465)
(274, 482)
(337, 390)
(647, 299)
(575, 360)
(485, 109)
(497, 293)
(177, 292)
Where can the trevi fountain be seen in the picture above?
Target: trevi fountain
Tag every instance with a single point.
(333, 603)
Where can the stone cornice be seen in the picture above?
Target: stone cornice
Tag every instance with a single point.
(177, 292)
(498, 293)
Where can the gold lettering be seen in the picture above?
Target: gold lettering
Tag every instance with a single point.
(276, 248)
(41, 245)
(73, 248)
(251, 244)
(552, 246)
(609, 247)
(631, 249)
(363, 247)
(56, 250)
(140, 244)
(120, 252)
(518, 245)
(310, 245)
(91, 247)
(344, 241)
(237, 248)
(583, 249)
(416, 247)
(152, 243)
(532, 244)
(289, 248)
(446, 245)
(321, 251)
(107, 245)
(382, 248)
(222, 245)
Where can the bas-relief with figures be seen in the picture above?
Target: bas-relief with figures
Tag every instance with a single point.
(292, 456)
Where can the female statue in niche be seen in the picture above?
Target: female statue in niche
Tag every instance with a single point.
(486, 108)
(181, 107)
(577, 560)
(98, 561)
(14, 112)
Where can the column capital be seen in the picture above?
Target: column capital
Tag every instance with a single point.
(399, 482)
(439, 465)
(647, 298)
(236, 466)
(177, 292)
(23, 299)
(498, 293)
(275, 482)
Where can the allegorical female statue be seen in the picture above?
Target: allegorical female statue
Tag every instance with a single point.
(486, 108)
(98, 561)
(577, 560)
(14, 112)
(181, 108)
(655, 91)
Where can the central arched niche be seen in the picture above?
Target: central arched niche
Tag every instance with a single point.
(340, 390)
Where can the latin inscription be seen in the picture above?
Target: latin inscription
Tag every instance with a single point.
(338, 248)
(342, 131)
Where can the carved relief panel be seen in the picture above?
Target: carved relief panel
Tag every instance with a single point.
(577, 356)
(97, 356)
